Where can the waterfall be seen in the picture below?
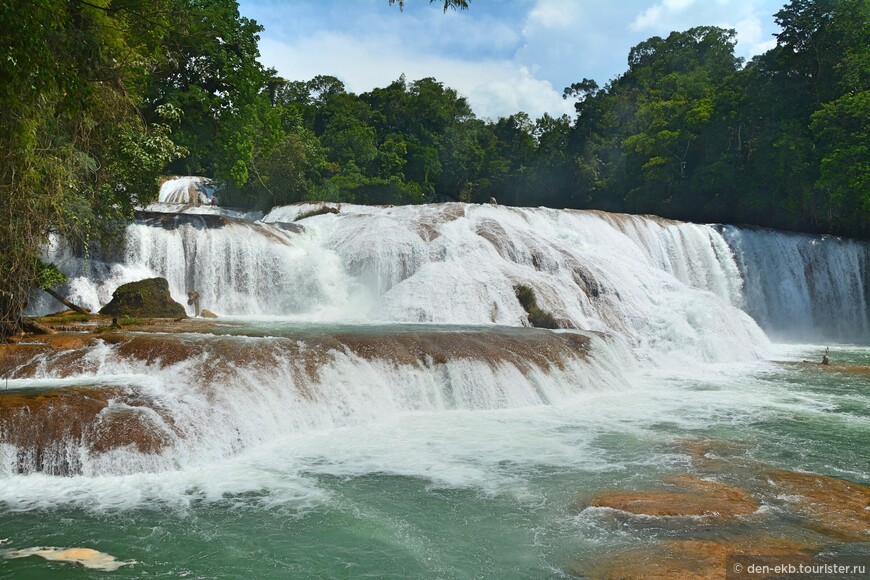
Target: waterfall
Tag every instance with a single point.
(804, 288)
(187, 189)
(665, 286)
(238, 267)
(134, 403)
(344, 318)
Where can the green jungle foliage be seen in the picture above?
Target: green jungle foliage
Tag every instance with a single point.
(100, 97)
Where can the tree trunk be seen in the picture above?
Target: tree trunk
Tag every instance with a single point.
(33, 327)
(66, 302)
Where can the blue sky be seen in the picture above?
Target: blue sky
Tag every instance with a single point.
(504, 55)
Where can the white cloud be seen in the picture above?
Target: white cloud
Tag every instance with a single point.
(494, 88)
(677, 5)
(567, 41)
(560, 14)
(659, 14)
(751, 40)
(650, 18)
(518, 90)
(750, 18)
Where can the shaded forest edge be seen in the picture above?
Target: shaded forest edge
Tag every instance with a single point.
(101, 97)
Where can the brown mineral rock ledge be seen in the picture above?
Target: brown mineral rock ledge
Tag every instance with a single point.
(831, 506)
(527, 351)
(848, 369)
(17, 358)
(45, 425)
(687, 559)
(692, 497)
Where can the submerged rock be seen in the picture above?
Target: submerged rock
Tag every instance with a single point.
(832, 506)
(707, 447)
(692, 497)
(818, 513)
(695, 559)
(87, 557)
(144, 299)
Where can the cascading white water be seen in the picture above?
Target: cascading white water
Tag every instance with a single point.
(187, 189)
(665, 285)
(661, 292)
(197, 398)
(238, 267)
(804, 288)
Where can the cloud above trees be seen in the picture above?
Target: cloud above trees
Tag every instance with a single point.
(504, 56)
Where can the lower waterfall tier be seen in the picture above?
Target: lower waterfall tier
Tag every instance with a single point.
(144, 402)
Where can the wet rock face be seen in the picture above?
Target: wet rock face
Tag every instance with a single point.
(50, 429)
(144, 299)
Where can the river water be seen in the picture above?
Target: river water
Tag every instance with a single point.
(456, 492)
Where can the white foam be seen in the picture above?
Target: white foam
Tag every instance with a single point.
(255, 440)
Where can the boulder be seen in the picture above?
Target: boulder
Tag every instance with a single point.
(208, 314)
(144, 299)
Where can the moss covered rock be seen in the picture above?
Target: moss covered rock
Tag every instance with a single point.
(144, 299)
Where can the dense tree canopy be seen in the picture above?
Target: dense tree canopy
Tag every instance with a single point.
(91, 93)
(689, 131)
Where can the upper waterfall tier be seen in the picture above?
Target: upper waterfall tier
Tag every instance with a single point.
(189, 189)
(667, 287)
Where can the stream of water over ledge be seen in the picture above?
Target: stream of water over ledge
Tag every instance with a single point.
(371, 401)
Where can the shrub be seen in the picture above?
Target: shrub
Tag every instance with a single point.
(537, 317)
